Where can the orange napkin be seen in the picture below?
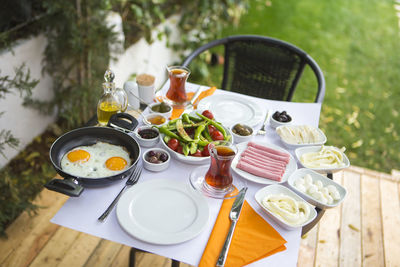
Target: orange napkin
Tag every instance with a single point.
(253, 239)
(176, 112)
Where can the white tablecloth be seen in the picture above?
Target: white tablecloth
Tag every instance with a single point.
(81, 213)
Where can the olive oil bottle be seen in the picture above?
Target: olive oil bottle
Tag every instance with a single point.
(112, 101)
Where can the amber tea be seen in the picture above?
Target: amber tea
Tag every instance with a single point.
(219, 174)
(177, 80)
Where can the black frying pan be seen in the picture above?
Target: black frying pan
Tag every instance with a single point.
(73, 185)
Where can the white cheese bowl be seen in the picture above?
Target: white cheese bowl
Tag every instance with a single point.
(294, 146)
(280, 189)
(302, 150)
(316, 177)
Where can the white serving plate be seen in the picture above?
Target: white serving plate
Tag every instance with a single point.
(316, 177)
(294, 146)
(290, 167)
(230, 110)
(278, 189)
(301, 150)
(162, 212)
(189, 159)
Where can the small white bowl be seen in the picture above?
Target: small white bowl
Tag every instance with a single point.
(167, 114)
(274, 123)
(148, 117)
(294, 146)
(144, 142)
(300, 173)
(242, 138)
(156, 167)
(306, 149)
(280, 189)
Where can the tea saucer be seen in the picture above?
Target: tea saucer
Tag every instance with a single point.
(197, 181)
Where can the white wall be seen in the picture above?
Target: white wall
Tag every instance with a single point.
(25, 123)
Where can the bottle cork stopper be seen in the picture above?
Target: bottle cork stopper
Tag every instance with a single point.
(145, 79)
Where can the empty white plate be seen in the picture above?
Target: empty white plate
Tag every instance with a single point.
(230, 110)
(162, 212)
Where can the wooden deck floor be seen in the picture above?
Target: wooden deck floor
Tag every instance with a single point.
(363, 231)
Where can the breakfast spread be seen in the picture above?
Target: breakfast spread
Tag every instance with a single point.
(287, 208)
(299, 134)
(326, 157)
(94, 161)
(263, 161)
(324, 194)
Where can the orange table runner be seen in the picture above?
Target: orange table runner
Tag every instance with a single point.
(253, 239)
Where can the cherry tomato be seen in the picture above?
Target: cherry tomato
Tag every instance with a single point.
(205, 152)
(211, 128)
(180, 149)
(208, 114)
(197, 154)
(217, 135)
(173, 144)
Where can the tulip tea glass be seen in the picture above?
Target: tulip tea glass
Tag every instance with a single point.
(218, 179)
(176, 93)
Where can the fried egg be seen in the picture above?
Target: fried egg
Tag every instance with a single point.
(95, 161)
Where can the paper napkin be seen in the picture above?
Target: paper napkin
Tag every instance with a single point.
(253, 239)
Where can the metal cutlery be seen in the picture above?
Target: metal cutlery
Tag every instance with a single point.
(131, 181)
(262, 130)
(234, 217)
(190, 106)
(138, 98)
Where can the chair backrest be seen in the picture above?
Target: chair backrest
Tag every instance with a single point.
(263, 66)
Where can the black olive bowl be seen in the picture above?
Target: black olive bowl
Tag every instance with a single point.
(155, 167)
(275, 123)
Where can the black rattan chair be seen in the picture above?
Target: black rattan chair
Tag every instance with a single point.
(262, 66)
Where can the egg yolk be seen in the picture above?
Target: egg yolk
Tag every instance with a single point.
(78, 155)
(116, 163)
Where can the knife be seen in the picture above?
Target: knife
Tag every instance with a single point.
(234, 217)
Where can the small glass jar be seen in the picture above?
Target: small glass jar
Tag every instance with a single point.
(112, 101)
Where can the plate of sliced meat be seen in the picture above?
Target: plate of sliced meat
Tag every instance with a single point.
(263, 163)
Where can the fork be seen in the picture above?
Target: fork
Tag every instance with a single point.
(131, 181)
(262, 130)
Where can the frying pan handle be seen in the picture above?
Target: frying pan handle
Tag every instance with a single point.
(67, 186)
(123, 121)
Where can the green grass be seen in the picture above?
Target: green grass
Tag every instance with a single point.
(356, 44)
